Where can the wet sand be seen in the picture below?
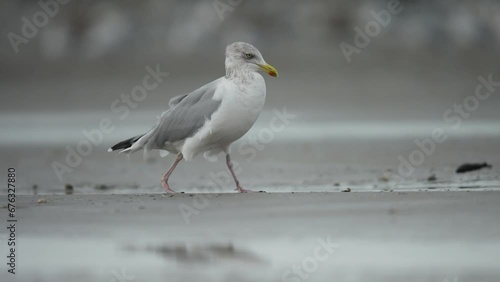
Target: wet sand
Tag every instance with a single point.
(308, 155)
(353, 123)
(369, 236)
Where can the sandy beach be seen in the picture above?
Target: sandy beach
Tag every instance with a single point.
(357, 149)
(350, 127)
(365, 236)
(105, 219)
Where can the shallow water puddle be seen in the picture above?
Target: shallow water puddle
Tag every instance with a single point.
(287, 259)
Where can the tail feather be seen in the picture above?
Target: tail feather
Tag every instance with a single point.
(125, 144)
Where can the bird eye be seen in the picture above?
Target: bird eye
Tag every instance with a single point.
(249, 56)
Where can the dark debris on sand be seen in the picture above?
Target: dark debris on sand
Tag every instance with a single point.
(466, 167)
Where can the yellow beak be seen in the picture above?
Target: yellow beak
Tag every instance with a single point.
(272, 71)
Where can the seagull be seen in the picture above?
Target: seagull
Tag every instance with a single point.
(209, 119)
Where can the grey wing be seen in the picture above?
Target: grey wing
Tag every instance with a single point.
(173, 102)
(176, 100)
(186, 116)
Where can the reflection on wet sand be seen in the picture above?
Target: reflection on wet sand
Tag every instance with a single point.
(200, 253)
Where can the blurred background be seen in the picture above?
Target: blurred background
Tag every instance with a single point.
(69, 68)
(64, 65)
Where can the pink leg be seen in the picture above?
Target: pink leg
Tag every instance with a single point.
(164, 178)
(230, 166)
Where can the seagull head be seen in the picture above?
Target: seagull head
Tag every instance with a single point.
(243, 56)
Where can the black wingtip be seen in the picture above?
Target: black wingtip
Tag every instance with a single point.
(125, 143)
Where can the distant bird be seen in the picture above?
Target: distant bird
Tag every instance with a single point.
(213, 116)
